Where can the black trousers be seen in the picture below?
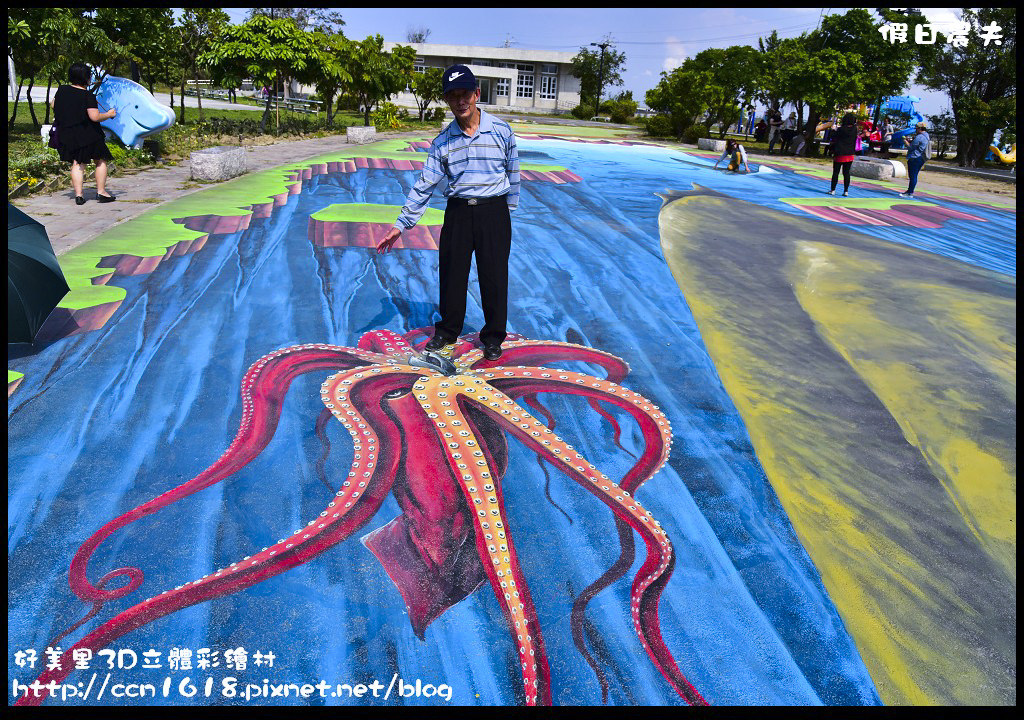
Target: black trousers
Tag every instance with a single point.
(484, 229)
(846, 174)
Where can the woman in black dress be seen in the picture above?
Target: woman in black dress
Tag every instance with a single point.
(79, 135)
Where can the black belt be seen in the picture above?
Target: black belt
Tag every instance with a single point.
(477, 201)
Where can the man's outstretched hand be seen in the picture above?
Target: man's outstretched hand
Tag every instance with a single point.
(388, 240)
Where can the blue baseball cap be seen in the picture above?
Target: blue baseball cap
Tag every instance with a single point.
(458, 77)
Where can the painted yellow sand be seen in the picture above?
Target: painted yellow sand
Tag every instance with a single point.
(915, 362)
(878, 392)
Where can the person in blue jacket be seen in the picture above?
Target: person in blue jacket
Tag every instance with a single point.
(918, 153)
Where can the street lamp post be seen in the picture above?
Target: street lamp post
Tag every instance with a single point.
(600, 75)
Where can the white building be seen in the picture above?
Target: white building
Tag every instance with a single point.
(538, 81)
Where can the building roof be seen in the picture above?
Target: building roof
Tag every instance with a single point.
(487, 53)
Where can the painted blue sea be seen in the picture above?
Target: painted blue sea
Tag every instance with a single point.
(107, 420)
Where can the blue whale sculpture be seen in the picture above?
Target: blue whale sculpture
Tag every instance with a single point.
(139, 115)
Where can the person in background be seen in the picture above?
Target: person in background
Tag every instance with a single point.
(788, 131)
(885, 130)
(863, 143)
(844, 140)
(760, 130)
(736, 153)
(774, 125)
(79, 135)
(918, 153)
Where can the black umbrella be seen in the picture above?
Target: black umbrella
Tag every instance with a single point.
(35, 283)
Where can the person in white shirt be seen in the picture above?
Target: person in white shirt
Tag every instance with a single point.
(736, 153)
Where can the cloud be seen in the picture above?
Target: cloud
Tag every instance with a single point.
(676, 54)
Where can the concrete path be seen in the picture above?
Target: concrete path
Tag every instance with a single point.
(208, 103)
(69, 225)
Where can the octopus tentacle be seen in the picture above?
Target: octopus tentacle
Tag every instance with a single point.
(497, 553)
(657, 569)
(386, 342)
(263, 389)
(539, 353)
(359, 499)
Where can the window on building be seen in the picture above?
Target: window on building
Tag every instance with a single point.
(548, 87)
(524, 86)
(524, 68)
(550, 69)
(482, 63)
(501, 87)
(418, 65)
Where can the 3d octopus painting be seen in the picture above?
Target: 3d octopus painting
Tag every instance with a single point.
(841, 383)
(437, 441)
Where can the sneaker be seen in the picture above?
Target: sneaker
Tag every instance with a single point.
(831, 192)
(492, 352)
(437, 343)
(907, 195)
(846, 194)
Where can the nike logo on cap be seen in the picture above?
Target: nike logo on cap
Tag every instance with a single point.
(454, 75)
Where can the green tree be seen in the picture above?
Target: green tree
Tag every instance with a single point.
(324, 20)
(377, 75)
(596, 74)
(197, 32)
(141, 32)
(674, 97)
(263, 49)
(886, 67)
(426, 88)
(770, 90)
(824, 79)
(980, 79)
(943, 129)
(724, 78)
(56, 38)
(331, 75)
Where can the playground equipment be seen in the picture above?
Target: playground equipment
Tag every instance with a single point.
(139, 115)
(902, 104)
(1007, 158)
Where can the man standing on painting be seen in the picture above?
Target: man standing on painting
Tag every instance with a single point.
(477, 156)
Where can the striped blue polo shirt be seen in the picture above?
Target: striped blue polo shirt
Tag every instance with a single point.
(484, 165)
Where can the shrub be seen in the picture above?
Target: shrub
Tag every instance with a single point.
(694, 133)
(386, 117)
(437, 114)
(622, 110)
(582, 112)
(38, 164)
(659, 126)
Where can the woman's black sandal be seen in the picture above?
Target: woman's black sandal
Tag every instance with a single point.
(79, 200)
(105, 198)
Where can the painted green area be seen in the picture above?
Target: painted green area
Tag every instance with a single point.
(541, 168)
(365, 212)
(12, 376)
(872, 203)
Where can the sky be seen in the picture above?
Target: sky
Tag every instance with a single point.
(654, 39)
